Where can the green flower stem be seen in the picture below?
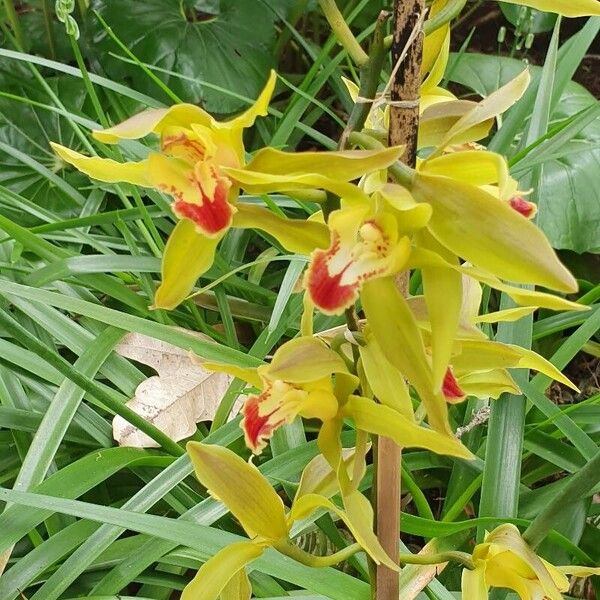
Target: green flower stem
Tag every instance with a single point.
(89, 385)
(579, 485)
(15, 24)
(310, 560)
(369, 78)
(370, 72)
(435, 559)
(48, 21)
(402, 173)
(342, 32)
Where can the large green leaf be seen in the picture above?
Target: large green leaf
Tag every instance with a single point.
(27, 159)
(230, 49)
(569, 194)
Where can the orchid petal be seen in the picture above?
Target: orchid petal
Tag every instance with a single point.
(260, 108)
(443, 296)
(473, 585)
(398, 335)
(433, 43)
(478, 167)
(200, 193)
(246, 374)
(254, 182)
(438, 67)
(495, 104)
(488, 384)
(441, 114)
(488, 233)
(524, 296)
(218, 572)
(153, 121)
(358, 517)
(295, 235)
(238, 587)
(241, 488)
(105, 169)
(304, 359)
(487, 355)
(411, 215)
(341, 166)
(187, 255)
(383, 420)
(386, 382)
(567, 8)
(318, 477)
(507, 315)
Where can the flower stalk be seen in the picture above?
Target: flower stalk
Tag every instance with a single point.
(342, 32)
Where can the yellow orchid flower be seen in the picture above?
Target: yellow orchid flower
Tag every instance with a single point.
(260, 511)
(505, 560)
(308, 379)
(201, 165)
(439, 109)
(366, 242)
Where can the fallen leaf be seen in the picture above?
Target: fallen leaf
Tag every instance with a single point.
(179, 396)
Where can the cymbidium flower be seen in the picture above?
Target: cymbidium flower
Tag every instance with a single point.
(260, 511)
(505, 560)
(201, 164)
(308, 379)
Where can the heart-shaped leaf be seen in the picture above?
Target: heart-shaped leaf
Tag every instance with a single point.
(230, 49)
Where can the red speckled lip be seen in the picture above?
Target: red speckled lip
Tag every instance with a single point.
(258, 428)
(327, 291)
(450, 388)
(211, 215)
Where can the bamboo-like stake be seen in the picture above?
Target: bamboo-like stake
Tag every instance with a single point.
(404, 121)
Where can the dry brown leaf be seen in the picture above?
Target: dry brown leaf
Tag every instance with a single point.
(181, 395)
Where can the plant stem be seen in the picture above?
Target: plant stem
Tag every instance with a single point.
(439, 558)
(342, 32)
(401, 173)
(48, 20)
(15, 24)
(404, 122)
(579, 485)
(290, 549)
(369, 78)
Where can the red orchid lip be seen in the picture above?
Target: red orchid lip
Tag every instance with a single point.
(327, 291)
(258, 429)
(451, 389)
(211, 215)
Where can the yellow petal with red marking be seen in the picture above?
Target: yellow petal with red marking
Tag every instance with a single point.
(363, 246)
(201, 193)
(280, 403)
